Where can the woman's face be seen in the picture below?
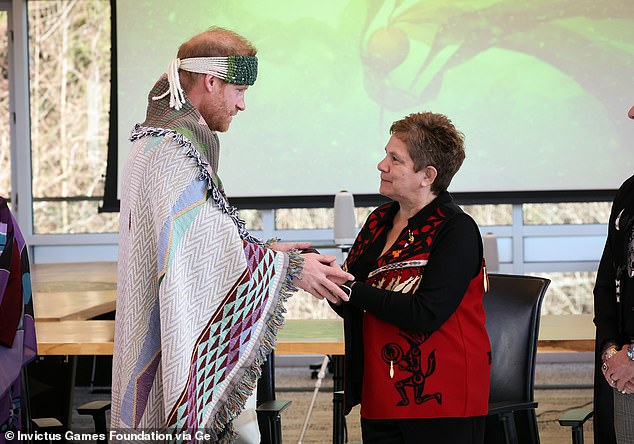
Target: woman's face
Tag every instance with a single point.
(399, 181)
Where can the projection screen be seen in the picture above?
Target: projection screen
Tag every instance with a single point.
(540, 88)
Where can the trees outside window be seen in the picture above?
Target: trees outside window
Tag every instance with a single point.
(69, 74)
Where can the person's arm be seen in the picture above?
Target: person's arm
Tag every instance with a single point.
(605, 305)
(454, 260)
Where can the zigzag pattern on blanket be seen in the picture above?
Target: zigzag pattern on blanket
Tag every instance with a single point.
(221, 347)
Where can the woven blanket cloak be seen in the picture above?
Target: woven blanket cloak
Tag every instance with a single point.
(199, 300)
(18, 346)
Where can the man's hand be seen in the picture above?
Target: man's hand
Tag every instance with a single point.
(285, 248)
(321, 277)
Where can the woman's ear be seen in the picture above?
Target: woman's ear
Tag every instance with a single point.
(429, 175)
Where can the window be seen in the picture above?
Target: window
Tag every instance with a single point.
(69, 48)
(569, 293)
(568, 213)
(487, 215)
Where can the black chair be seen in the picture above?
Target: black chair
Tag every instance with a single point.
(575, 419)
(47, 408)
(268, 409)
(97, 409)
(601, 411)
(513, 306)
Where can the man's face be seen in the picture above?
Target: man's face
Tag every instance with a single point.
(223, 102)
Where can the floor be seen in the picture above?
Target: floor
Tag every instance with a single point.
(559, 386)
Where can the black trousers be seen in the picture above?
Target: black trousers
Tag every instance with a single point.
(423, 431)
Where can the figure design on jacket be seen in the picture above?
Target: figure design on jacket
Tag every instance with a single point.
(411, 362)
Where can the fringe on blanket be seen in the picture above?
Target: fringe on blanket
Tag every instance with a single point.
(235, 402)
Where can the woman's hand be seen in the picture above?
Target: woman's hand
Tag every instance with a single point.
(618, 371)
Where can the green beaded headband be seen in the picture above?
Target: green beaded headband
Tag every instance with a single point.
(239, 70)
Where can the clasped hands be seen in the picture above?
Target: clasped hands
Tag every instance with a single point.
(321, 276)
(618, 370)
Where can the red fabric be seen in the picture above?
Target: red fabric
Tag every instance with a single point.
(442, 374)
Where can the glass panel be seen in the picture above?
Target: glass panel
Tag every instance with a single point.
(362, 214)
(572, 213)
(322, 218)
(303, 218)
(569, 293)
(47, 216)
(5, 129)
(252, 219)
(313, 218)
(69, 53)
(488, 215)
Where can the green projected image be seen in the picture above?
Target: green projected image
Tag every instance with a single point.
(540, 88)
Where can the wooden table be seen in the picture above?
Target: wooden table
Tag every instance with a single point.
(566, 333)
(305, 336)
(64, 292)
(75, 338)
(93, 337)
(73, 305)
(74, 273)
(66, 296)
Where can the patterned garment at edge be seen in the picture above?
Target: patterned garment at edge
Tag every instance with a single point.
(17, 329)
(199, 300)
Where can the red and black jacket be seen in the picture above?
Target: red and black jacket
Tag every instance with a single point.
(417, 310)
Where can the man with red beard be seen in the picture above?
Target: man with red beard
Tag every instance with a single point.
(199, 299)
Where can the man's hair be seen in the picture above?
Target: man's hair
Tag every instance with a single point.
(432, 139)
(215, 42)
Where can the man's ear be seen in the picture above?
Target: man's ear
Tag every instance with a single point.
(209, 82)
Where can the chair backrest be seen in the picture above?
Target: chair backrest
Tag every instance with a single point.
(512, 306)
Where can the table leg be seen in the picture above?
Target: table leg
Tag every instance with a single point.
(338, 420)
